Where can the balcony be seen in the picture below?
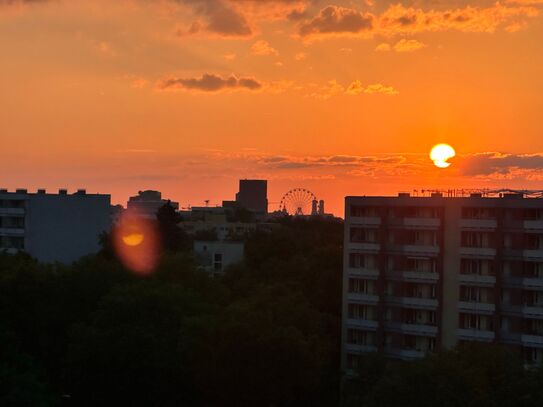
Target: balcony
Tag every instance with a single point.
(12, 211)
(361, 298)
(514, 338)
(533, 225)
(365, 324)
(12, 232)
(476, 335)
(405, 354)
(365, 220)
(478, 251)
(477, 307)
(413, 276)
(476, 279)
(353, 348)
(365, 247)
(418, 250)
(478, 224)
(416, 223)
(371, 274)
(531, 283)
(412, 329)
(413, 302)
(525, 311)
(9, 251)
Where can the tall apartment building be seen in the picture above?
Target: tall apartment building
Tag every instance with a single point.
(53, 227)
(421, 273)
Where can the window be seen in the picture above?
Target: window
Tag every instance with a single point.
(476, 239)
(478, 213)
(361, 235)
(357, 285)
(474, 321)
(476, 266)
(217, 262)
(364, 211)
(359, 311)
(358, 337)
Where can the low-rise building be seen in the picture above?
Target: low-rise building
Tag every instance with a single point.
(147, 203)
(215, 256)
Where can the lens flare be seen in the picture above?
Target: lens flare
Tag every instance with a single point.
(441, 154)
(137, 242)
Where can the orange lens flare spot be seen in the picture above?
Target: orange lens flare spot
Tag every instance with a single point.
(137, 243)
(441, 154)
(133, 239)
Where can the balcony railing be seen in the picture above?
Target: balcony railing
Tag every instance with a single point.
(524, 282)
(477, 307)
(371, 274)
(405, 354)
(413, 302)
(365, 324)
(12, 231)
(536, 225)
(524, 311)
(478, 251)
(362, 298)
(411, 329)
(476, 335)
(414, 249)
(478, 280)
(354, 348)
(365, 220)
(12, 211)
(365, 247)
(413, 276)
(478, 224)
(416, 223)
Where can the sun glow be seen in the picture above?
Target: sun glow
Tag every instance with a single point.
(441, 154)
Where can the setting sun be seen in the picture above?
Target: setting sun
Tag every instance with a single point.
(440, 155)
(133, 239)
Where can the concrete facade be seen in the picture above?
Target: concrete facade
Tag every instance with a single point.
(215, 256)
(422, 273)
(53, 227)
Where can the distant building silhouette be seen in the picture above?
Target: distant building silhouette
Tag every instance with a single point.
(53, 227)
(147, 203)
(253, 195)
(422, 273)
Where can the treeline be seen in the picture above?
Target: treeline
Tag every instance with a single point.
(266, 334)
(473, 374)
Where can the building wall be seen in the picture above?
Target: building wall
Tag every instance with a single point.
(61, 227)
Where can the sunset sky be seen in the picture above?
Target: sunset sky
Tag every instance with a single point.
(340, 97)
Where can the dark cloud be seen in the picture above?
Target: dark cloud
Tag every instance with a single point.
(334, 19)
(496, 163)
(210, 83)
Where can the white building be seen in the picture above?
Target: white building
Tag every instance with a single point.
(53, 227)
(422, 273)
(215, 256)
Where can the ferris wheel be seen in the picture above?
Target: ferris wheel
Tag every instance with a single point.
(298, 201)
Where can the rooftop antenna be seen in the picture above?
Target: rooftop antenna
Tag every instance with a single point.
(206, 202)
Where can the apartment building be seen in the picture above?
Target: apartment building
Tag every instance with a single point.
(53, 227)
(422, 273)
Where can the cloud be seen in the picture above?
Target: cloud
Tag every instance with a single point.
(383, 47)
(210, 83)
(333, 21)
(300, 56)
(501, 165)
(408, 45)
(356, 88)
(263, 48)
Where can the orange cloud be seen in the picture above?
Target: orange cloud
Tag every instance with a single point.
(263, 48)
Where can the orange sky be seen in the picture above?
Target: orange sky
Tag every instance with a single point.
(341, 97)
